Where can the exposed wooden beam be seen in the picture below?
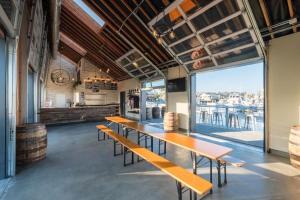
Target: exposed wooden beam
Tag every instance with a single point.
(143, 11)
(76, 47)
(91, 36)
(292, 13)
(266, 16)
(113, 24)
(102, 40)
(152, 6)
(117, 38)
(91, 50)
(142, 32)
(137, 33)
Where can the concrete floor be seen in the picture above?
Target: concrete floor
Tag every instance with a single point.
(79, 167)
(253, 138)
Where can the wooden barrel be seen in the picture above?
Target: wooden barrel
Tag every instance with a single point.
(294, 146)
(171, 121)
(148, 113)
(156, 112)
(31, 143)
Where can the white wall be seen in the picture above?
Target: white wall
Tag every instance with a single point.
(89, 70)
(128, 84)
(55, 92)
(284, 89)
(178, 101)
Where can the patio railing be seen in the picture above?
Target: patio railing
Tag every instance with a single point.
(231, 117)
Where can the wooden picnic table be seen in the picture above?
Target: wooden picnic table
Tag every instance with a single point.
(199, 149)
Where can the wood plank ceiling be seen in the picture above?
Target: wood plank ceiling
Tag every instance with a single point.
(101, 47)
(105, 46)
(114, 13)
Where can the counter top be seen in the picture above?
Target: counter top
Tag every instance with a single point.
(77, 114)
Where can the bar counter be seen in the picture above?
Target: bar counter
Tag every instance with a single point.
(77, 114)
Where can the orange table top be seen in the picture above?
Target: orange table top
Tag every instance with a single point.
(203, 148)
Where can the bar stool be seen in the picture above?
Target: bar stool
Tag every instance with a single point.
(217, 118)
(234, 121)
(203, 116)
(250, 122)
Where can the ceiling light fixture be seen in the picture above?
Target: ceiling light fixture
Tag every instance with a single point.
(154, 33)
(171, 34)
(107, 71)
(135, 64)
(160, 40)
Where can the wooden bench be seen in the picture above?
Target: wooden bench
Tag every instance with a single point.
(99, 128)
(185, 180)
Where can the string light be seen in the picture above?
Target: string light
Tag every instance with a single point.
(172, 34)
(159, 40)
(154, 33)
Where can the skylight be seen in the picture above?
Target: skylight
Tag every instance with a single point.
(90, 12)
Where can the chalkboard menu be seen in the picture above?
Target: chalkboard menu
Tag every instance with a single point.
(95, 86)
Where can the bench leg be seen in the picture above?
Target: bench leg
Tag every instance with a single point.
(138, 142)
(115, 149)
(124, 156)
(99, 136)
(160, 142)
(179, 190)
(151, 143)
(225, 174)
(210, 173)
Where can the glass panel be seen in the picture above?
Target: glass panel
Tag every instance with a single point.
(231, 26)
(158, 83)
(136, 73)
(198, 53)
(192, 6)
(151, 74)
(147, 69)
(186, 45)
(142, 77)
(214, 14)
(142, 62)
(200, 64)
(169, 20)
(231, 43)
(180, 33)
(134, 56)
(130, 67)
(237, 55)
(124, 61)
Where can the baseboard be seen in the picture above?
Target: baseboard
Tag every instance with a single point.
(279, 153)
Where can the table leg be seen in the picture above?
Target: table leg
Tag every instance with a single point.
(219, 173)
(151, 143)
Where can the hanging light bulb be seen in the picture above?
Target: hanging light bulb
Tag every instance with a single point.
(159, 40)
(154, 33)
(73, 79)
(135, 64)
(172, 34)
(107, 71)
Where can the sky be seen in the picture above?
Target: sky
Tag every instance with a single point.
(248, 78)
(90, 12)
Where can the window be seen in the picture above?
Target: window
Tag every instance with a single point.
(90, 12)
